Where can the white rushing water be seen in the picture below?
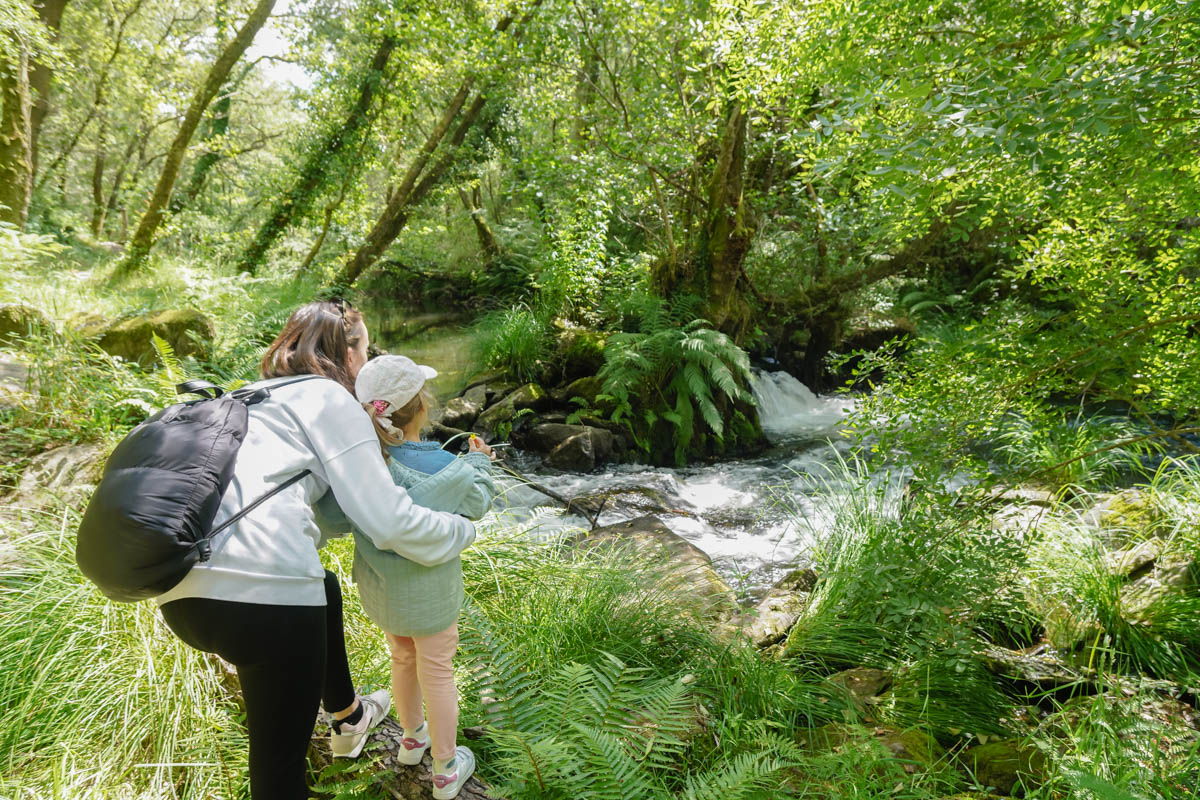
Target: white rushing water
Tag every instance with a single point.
(754, 517)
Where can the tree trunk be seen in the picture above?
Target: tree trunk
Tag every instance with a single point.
(16, 146)
(714, 271)
(118, 180)
(488, 243)
(298, 200)
(50, 12)
(144, 236)
(99, 207)
(218, 126)
(396, 212)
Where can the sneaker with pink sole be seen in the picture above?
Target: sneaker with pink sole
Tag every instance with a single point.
(448, 782)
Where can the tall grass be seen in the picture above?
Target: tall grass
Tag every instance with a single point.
(100, 700)
(515, 340)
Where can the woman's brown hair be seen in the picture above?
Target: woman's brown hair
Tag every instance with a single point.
(315, 341)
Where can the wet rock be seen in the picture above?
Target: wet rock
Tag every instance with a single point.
(685, 568)
(505, 412)
(69, 473)
(775, 615)
(189, 332)
(582, 451)
(641, 499)
(17, 320)
(1006, 767)
(864, 684)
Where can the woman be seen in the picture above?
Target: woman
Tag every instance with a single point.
(263, 601)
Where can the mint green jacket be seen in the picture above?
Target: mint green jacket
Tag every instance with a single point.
(401, 596)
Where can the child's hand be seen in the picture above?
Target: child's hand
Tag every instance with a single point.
(477, 445)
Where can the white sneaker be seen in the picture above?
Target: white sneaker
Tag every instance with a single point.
(446, 785)
(347, 741)
(412, 748)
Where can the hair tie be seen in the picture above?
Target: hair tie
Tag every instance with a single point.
(380, 406)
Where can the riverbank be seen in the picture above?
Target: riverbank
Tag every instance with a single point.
(933, 642)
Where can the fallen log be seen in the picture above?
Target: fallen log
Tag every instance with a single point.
(404, 782)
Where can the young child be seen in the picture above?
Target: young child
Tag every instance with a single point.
(416, 605)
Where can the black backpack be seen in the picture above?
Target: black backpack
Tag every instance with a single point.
(150, 519)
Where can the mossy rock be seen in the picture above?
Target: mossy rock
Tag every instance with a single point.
(494, 418)
(1128, 515)
(579, 352)
(17, 320)
(914, 746)
(1007, 767)
(189, 332)
(586, 387)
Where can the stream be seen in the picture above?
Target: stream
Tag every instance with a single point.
(752, 516)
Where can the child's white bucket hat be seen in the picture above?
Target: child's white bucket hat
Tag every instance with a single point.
(389, 382)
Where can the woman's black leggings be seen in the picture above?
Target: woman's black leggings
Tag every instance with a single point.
(288, 658)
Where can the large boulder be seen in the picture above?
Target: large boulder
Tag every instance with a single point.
(577, 448)
(684, 568)
(189, 332)
(774, 616)
(1006, 767)
(582, 451)
(17, 320)
(493, 420)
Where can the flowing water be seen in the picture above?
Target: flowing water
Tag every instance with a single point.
(752, 516)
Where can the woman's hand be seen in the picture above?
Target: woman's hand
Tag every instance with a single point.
(477, 445)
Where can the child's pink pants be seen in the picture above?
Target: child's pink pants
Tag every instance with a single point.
(421, 666)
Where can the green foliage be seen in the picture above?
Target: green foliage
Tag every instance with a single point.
(1074, 452)
(674, 386)
(1094, 609)
(1110, 747)
(515, 340)
(359, 779)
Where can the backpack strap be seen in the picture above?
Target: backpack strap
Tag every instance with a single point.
(251, 397)
(209, 391)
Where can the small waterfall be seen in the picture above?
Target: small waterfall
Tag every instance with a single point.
(788, 409)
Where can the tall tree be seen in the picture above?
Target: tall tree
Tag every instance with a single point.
(314, 173)
(144, 236)
(50, 12)
(16, 144)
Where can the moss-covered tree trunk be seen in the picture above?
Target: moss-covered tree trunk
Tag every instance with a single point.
(50, 13)
(713, 270)
(147, 230)
(298, 200)
(16, 144)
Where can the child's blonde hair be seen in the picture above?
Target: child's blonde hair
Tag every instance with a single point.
(398, 419)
